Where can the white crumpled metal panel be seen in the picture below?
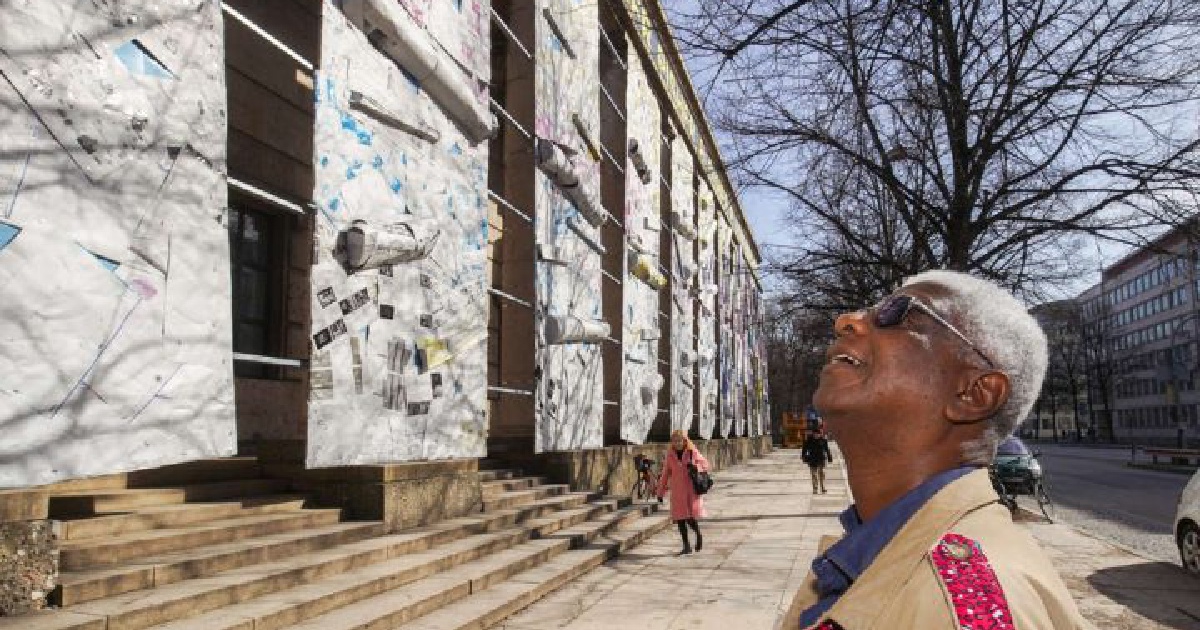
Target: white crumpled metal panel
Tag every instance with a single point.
(399, 366)
(641, 375)
(115, 318)
(757, 390)
(569, 394)
(726, 353)
(741, 348)
(683, 279)
(707, 383)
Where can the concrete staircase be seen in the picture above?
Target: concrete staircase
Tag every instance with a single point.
(244, 554)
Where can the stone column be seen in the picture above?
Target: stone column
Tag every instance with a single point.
(28, 552)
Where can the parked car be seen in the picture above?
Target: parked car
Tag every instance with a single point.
(1016, 467)
(1187, 526)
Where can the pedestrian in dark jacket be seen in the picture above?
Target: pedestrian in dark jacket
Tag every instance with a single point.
(816, 454)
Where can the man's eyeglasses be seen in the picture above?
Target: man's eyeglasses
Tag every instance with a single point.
(894, 308)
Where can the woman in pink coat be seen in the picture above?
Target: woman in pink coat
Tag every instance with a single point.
(686, 505)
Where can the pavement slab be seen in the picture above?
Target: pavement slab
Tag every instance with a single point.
(759, 539)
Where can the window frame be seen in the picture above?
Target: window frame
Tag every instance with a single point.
(277, 226)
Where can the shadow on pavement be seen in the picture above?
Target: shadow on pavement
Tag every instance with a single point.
(760, 517)
(763, 494)
(1158, 591)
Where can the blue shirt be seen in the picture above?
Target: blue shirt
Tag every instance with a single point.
(842, 563)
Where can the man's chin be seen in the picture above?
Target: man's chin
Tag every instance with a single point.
(827, 400)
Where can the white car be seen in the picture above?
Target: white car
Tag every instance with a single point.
(1187, 526)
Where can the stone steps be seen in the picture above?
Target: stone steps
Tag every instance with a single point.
(280, 591)
(494, 488)
(157, 571)
(495, 475)
(487, 608)
(285, 608)
(266, 562)
(517, 498)
(337, 577)
(176, 515)
(203, 470)
(482, 593)
(107, 551)
(88, 502)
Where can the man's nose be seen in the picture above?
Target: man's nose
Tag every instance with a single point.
(850, 323)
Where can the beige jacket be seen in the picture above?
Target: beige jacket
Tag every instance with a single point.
(961, 534)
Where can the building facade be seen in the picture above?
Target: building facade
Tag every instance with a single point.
(1140, 326)
(369, 243)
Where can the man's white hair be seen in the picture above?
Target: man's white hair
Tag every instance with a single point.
(1001, 327)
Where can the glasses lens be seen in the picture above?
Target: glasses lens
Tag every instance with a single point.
(892, 310)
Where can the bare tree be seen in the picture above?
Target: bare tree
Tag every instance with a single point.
(1100, 364)
(796, 342)
(1066, 374)
(980, 135)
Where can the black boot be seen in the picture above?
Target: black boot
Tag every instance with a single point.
(687, 546)
(699, 537)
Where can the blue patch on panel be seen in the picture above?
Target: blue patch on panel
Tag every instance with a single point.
(138, 60)
(8, 232)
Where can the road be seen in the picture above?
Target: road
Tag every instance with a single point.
(1093, 489)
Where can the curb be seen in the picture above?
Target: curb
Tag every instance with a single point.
(1101, 447)
(1041, 520)
(1178, 470)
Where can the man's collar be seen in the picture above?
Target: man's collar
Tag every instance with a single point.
(864, 540)
(907, 548)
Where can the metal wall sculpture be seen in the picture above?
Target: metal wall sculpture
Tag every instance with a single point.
(741, 365)
(683, 280)
(645, 278)
(726, 350)
(705, 292)
(399, 282)
(115, 318)
(568, 322)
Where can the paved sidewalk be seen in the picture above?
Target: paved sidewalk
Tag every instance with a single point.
(759, 540)
(761, 536)
(1117, 589)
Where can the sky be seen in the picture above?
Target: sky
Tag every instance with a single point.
(767, 211)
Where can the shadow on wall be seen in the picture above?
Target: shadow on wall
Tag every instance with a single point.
(107, 307)
(1157, 591)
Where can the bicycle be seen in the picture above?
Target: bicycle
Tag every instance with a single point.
(646, 486)
(1035, 487)
(1042, 496)
(1006, 499)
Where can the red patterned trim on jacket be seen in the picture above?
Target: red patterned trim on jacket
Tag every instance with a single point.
(828, 624)
(975, 592)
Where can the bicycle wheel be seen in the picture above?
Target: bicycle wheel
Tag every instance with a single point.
(651, 488)
(1006, 498)
(1010, 502)
(1043, 499)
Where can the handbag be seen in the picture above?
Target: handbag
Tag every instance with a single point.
(702, 482)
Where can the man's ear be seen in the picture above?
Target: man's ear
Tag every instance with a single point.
(979, 398)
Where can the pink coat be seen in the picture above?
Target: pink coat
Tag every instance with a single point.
(685, 503)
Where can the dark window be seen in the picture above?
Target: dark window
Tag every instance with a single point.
(256, 267)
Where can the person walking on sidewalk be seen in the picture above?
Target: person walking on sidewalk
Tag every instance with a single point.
(686, 505)
(918, 390)
(816, 454)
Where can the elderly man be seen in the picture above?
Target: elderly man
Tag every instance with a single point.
(917, 392)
